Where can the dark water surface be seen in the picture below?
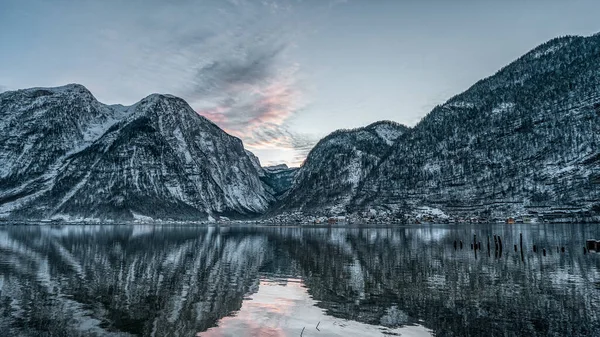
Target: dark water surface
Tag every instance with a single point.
(277, 281)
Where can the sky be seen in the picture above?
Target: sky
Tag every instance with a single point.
(279, 74)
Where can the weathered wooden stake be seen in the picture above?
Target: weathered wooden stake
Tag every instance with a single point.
(500, 243)
(479, 245)
(562, 249)
(454, 244)
(584, 251)
(534, 249)
(515, 248)
(521, 245)
(475, 240)
(471, 246)
(460, 244)
(544, 251)
(521, 240)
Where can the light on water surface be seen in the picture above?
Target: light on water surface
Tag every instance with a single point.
(283, 307)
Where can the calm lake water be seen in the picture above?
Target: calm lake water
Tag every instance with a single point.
(288, 281)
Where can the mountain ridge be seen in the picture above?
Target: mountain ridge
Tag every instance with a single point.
(521, 141)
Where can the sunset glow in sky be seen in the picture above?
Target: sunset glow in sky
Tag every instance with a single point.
(279, 74)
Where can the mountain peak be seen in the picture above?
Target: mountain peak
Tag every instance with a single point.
(71, 88)
(386, 122)
(277, 167)
(159, 96)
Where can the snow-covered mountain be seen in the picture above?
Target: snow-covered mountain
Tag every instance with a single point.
(524, 140)
(329, 178)
(65, 155)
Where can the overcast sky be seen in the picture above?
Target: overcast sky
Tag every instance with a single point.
(279, 74)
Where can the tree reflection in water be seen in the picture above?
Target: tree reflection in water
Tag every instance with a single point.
(177, 281)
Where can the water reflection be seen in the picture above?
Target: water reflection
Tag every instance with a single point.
(283, 307)
(189, 281)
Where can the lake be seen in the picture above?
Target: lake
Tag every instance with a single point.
(136, 280)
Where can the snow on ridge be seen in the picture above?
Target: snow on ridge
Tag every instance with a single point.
(459, 104)
(548, 50)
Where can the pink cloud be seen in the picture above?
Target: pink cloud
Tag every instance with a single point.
(261, 115)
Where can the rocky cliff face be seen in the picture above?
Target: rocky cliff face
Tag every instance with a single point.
(280, 178)
(69, 156)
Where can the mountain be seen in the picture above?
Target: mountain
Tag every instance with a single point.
(67, 156)
(277, 178)
(525, 140)
(329, 178)
(280, 178)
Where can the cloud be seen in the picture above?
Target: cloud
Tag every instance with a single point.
(241, 71)
(233, 61)
(258, 110)
(249, 86)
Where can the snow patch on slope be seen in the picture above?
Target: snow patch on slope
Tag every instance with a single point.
(503, 107)
(388, 133)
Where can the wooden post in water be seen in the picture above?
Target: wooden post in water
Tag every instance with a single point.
(454, 244)
(500, 242)
(521, 245)
(475, 241)
(562, 249)
(488, 245)
(515, 248)
(479, 245)
(544, 251)
(534, 249)
(584, 251)
(521, 240)
(495, 242)
(460, 244)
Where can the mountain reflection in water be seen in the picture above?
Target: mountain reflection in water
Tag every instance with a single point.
(235, 281)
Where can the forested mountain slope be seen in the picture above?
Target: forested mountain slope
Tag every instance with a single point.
(528, 136)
